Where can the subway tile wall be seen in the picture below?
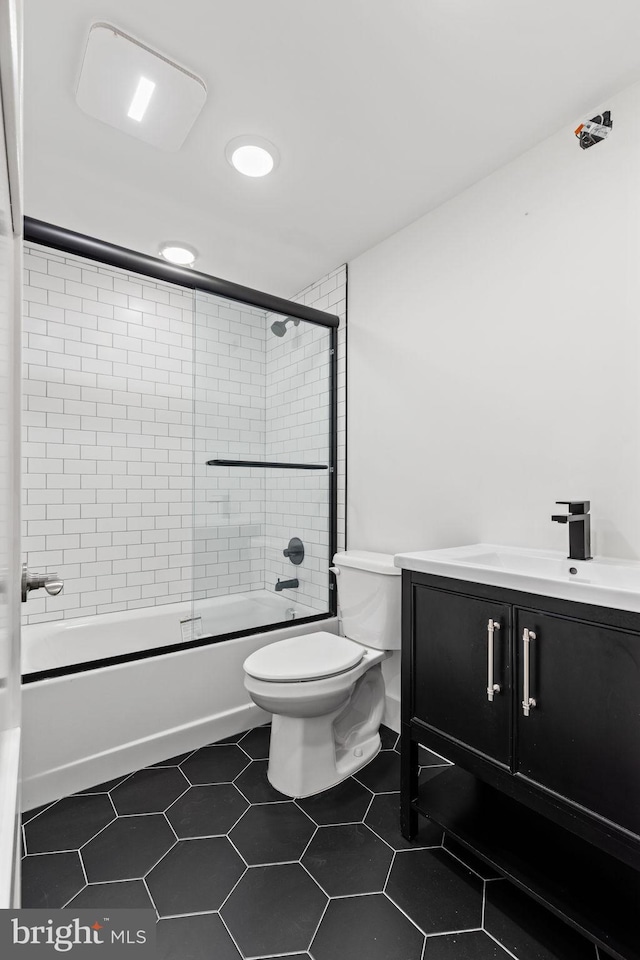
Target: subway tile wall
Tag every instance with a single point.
(113, 499)
(229, 424)
(108, 389)
(297, 394)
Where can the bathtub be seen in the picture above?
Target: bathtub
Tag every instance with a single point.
(86, 727)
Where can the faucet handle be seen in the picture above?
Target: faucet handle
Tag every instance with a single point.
(576, 506)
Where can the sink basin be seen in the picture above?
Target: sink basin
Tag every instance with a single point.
(603, 581)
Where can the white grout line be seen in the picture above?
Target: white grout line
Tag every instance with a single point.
(508, 952)
(182, 916)
(454, 933)
(386, 879)
(170, 825)
(97, 834)
(45, 853)
(355, 896)
(314, 822)
(243, 874)
(403, 912)
(233, 939)
(46, 806)
(153, 903)
(246, 863)
(322, 916)
(84, 869)
(159, 860)
(307, 845)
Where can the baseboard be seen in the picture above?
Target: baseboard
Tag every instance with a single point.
(50, 785)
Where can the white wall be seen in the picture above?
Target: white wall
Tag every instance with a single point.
(493, 357)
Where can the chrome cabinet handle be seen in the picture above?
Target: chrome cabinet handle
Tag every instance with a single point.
(34, 581)
(528, 702)
(492, 687)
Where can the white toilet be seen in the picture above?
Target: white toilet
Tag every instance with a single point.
(326, 693)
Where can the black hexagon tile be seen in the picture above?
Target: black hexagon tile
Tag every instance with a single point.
(173, 761)
(201, 937)
(383, 817)
(50, 879)
(130, 894)
(34, 812)
(254, 785)
(215, 764)
(345, 803)
(464, 946)
(272, 833)
(274, 910)
(382, 774)
(104, 787)
(256, 742)
(206, 811)
(212, 905)
(348, 859)
(388, 737)
(69, 823)
(436, 891)
(195, 876)
(149, 791)
(355, 928)
(127, 848)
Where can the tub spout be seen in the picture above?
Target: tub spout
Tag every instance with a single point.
(287, 584)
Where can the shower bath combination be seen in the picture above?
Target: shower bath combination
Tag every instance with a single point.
(186, 508)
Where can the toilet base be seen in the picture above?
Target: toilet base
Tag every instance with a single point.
(309, 770)
(311, 754)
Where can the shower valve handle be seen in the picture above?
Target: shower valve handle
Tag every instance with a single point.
(36, 581)
(295, 551)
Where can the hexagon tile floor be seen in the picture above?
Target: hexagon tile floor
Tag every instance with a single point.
(236, 870)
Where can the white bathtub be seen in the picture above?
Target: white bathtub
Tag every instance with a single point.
(84, 728)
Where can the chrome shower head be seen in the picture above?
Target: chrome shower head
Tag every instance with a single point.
(279, 327)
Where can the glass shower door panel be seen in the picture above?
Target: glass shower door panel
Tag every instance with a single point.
(260, 398)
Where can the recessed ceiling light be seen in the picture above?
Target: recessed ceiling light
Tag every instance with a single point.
(252, 156)
(178, 253)
(141, 98)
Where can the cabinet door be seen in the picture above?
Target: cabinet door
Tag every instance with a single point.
(582, 737)
(452, 640)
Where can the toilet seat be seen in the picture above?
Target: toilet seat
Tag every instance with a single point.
(312, 656)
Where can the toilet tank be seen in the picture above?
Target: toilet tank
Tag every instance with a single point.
(369, 595)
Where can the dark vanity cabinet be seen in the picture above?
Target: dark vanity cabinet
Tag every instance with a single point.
(453, 637)
(536, 702)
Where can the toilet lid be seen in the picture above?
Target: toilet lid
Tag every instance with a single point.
(309, 657)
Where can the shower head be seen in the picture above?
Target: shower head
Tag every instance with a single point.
(279, 327)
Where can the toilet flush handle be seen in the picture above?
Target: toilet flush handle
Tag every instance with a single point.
(335, 570)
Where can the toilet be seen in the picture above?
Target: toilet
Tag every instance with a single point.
(326, 692)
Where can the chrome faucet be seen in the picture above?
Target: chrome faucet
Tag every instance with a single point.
(36, 581)
(579, 528)
(287, 584)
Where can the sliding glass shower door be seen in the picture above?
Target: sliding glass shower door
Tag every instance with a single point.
(262, 467)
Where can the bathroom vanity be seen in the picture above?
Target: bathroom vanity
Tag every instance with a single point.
(535, 699)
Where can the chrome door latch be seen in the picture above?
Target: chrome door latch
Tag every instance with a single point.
(35, 581)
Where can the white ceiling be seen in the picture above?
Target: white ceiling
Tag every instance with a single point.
(381, 110)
